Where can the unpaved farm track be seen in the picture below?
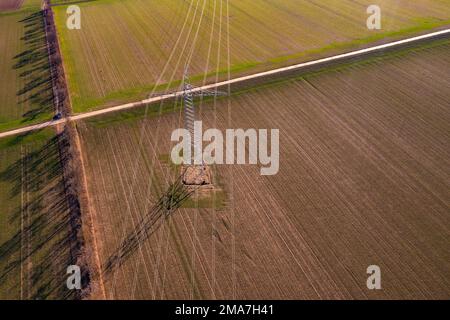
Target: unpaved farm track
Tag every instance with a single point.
(97, 288)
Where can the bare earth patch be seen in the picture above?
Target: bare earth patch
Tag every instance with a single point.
(7, 5)
(362, 181)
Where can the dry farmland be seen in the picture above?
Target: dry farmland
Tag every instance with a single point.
(25, 86)
(122, 49)
(364, 158)
(35, 238)
(7, 5)
(12, 5)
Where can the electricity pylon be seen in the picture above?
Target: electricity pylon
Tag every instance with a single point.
(189, 108)
(194, 174)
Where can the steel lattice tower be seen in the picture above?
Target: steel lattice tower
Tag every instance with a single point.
(189, 107)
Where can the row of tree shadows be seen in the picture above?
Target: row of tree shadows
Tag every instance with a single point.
(33, 65)
(49, 240)
(52, 229)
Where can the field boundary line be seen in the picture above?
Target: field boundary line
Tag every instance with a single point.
(21, 219)
(86, 203)
(163, 97)
(74, 176)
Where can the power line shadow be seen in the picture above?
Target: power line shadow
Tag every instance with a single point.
(171, 200)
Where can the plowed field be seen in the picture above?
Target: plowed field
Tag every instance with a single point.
(363, 180)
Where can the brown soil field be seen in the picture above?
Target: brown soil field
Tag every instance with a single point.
(6, 5)
(363, 180)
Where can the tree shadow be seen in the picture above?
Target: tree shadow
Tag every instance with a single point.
(48, 242)
(33, 64)
(171, 200)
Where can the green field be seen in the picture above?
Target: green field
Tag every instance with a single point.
(25, 90)
(35, 242)
(121, 50)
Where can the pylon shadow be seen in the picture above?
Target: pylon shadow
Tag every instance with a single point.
(172, 199)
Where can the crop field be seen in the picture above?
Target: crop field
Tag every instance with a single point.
(363, 180)
(35, 239)
(12, 5)
(126, 48)
(7, 5)
(25, 84)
